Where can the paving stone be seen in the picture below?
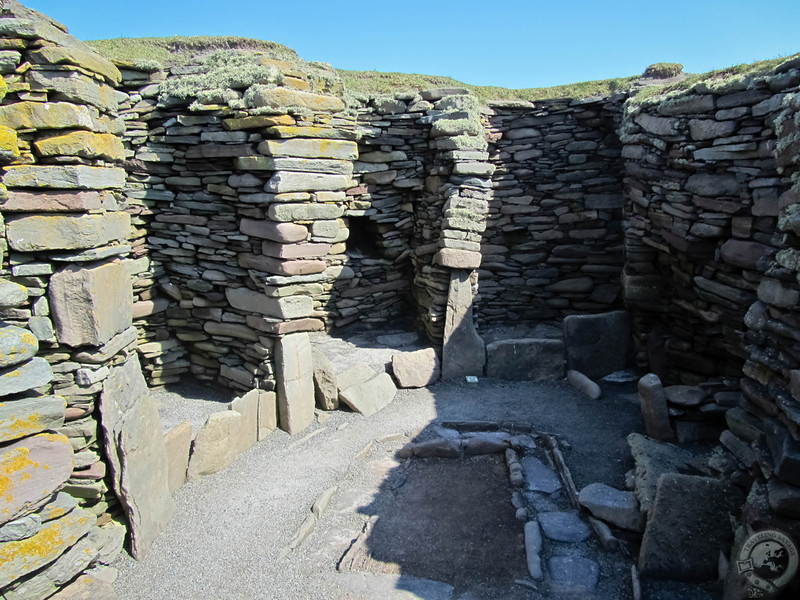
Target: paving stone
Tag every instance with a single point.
(563, 526)
(614, 506)
(416, 369)
(573, 574)
(540, 478)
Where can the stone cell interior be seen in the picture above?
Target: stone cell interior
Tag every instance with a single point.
(153, 226)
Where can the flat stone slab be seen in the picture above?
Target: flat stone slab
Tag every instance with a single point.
(16, 345)
(27, 416)
(325, 391)
(31, 374)
(597, 344)
(540, 477)
(531, 359)
(533, 548)
(369, 397)
(416, 369)
(685, 395)
(563, 526)
(31, 470)
(652, 459)
(689, 526)
(573, 574)
(613, 506)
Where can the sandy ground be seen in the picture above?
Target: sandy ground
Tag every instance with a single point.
(230, 535)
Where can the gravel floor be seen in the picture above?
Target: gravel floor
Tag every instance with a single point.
(230, 534)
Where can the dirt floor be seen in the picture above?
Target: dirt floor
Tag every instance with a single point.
(446, 528)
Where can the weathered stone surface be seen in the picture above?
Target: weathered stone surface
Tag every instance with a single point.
(257, 122)
(105, 352)
(583, 384)
(134, 444)
(12, 294)
(325, 390)
(46, 115)
(65, 176)
(59, 201)
(706, 129)
(56, 537)
(653, 401)
(706, 184)
(533, 359)
(563, 526)
(463, 352)
(370, 396)
(416, 369)
(294, 374)
(685, 395)
(573, 574)
(614, 506)
(295, 251)
(597, 344)
(86, 587)
(216, 445)
(19, 378)
(457, 259)
(744, 254)
(277, 266)
(51, 232)
(657, 125)
(293, 181)
(16, 345)
(785, 451)
(533, 548)
(285, 233)
(31, 470)
(91, 305)
(27, 416)
(281, 97)
(78, 55)
(267, 414)
(247, 406)
(652, 459)
(177, 443)
(290, 307)
(331, 166)
(304, 212)
(683, 540)
(304, 148)
(358, 373)
(74, 87)
(539, 477)
(82, 143)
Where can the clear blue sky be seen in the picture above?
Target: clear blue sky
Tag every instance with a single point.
(510, 43)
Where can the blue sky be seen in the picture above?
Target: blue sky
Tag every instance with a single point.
(510, 43)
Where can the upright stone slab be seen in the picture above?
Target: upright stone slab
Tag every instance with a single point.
(325, 390)
(177, 442)
(370, 396)
(216, 445)
(416, 369)
(688, 528)
(463, 352)
(267, 414)
(247, 406)
(134, 445)
(597, 344)
(295, 379)
(654, 408)
(91, 304)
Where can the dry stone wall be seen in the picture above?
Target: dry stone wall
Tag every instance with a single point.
(65, 307)
(553, 243)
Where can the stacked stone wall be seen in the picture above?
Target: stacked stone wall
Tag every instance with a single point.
(553, 243)
(702, 189)
(65, 305)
